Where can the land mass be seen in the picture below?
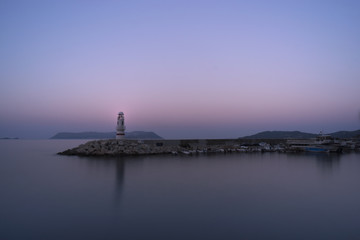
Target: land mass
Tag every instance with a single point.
(300, 135)
(105, 135)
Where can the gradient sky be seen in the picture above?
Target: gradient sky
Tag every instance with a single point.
(183, 69)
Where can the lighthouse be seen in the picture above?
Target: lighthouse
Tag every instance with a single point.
(120, 128)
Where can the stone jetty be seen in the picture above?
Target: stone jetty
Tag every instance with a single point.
(123, 147)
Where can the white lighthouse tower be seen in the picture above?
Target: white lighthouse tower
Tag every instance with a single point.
(120, 128)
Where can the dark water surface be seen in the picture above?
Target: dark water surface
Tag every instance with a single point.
(233, 196)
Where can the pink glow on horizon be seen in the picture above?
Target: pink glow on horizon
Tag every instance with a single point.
(227, 69)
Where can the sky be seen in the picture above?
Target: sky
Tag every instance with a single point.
(182, 69)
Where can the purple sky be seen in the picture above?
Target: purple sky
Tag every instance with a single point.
(183, 69)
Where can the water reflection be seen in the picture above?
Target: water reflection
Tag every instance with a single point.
(327, 163)
(115, 165)
(105, 166)
(119, 180)
(219, 196)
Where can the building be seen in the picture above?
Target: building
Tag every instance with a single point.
(120, 128)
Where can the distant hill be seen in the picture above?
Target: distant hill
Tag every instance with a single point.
(105, 135)
(300, 135)
(281, 135)
(346, 134)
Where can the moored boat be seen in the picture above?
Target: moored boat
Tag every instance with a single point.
(322, 143)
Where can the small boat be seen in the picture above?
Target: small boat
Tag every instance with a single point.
(316, 149)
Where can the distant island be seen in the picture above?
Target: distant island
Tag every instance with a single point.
(153, 136)
(8, 138)
(300, 135)
(105, 135)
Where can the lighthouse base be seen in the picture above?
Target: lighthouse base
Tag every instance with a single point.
(120, 135)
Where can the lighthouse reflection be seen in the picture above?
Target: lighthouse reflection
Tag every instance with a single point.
(119, 180)
(108, 169)
(121, 166)
(113, 169)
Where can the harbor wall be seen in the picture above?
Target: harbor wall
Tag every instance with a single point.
(211, 142)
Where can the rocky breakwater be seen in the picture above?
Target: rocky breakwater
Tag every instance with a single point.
(115, 147)
(125, 147)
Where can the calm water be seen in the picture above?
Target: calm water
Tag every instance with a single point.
(233, 196)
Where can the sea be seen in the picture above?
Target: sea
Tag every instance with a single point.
(215, 196)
